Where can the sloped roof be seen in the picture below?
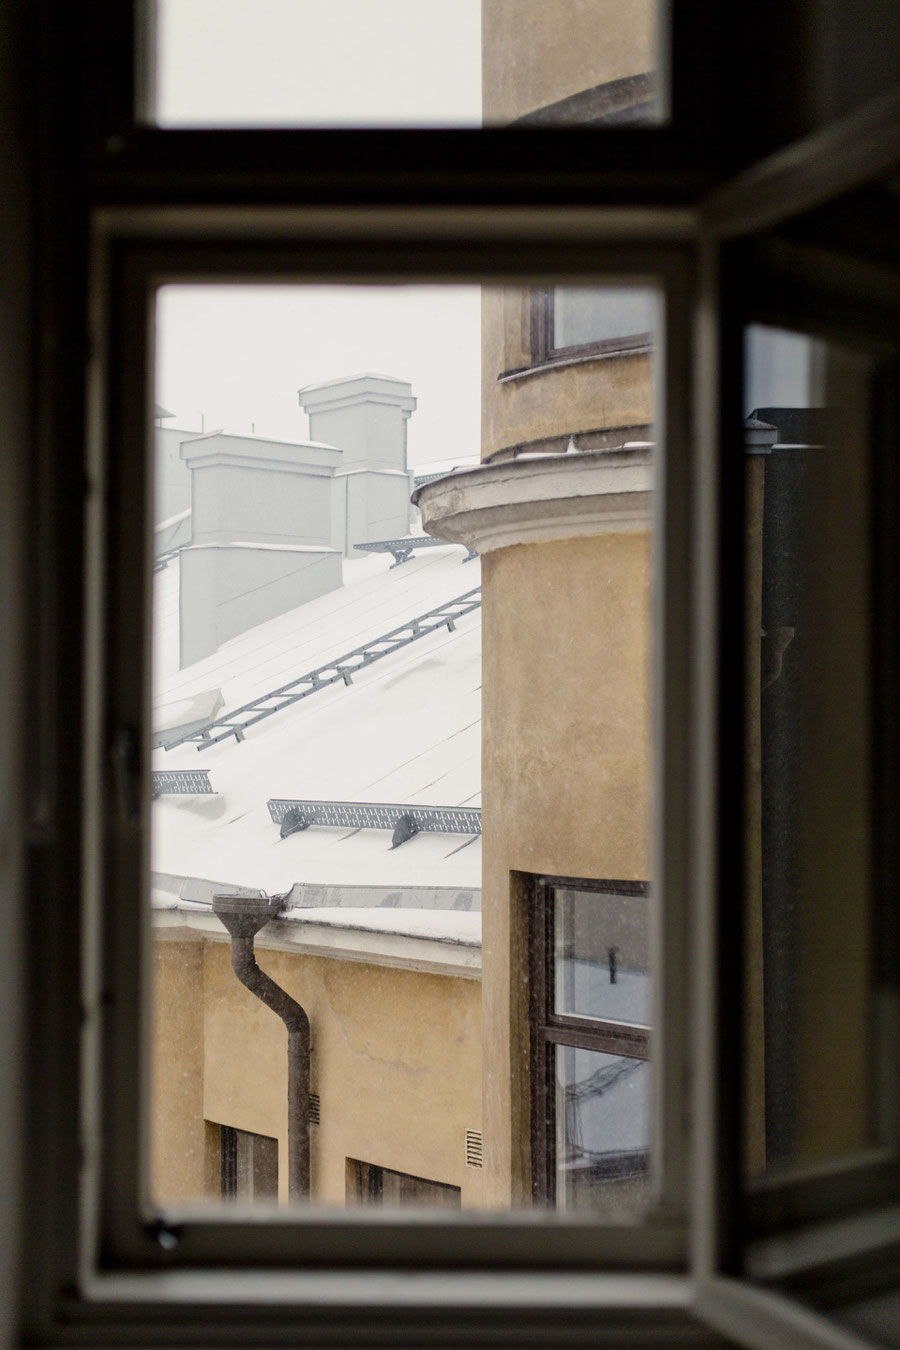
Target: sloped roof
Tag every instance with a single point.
(407, 730)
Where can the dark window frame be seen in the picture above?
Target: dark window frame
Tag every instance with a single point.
(90, 157)
(548, 1029)
(543, 346)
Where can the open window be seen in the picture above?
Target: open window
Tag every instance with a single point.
(708, 1245)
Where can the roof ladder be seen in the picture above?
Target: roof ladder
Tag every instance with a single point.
(235, 723)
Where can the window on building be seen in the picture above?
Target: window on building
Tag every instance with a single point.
(590, 1044)
(568, 322)
(369, 1184)
(249, 1166)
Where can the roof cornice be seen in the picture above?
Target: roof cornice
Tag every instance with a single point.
(536, 498)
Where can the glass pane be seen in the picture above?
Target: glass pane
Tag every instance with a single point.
(601, 956)
(396, 63)
(368, 1184)
(816, 992)
(326, 716)
(584, 314)
(249, 1166)
(602, 1130)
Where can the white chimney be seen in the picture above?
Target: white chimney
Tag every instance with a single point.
(366, 416)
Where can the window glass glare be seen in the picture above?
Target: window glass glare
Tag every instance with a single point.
(403, 63)
(585, 314)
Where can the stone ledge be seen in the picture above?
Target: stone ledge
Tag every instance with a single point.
(540, 497)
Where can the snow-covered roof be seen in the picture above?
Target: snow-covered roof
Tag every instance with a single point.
(442, 942)
(406, 730)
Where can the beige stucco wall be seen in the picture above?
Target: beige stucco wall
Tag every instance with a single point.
(603, 393)
(177, 1137)
(566, 777)
(536, 52)
(396, 1062)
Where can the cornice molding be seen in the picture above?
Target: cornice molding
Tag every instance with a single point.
(538, 498)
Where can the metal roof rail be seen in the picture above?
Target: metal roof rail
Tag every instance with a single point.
(343, 668)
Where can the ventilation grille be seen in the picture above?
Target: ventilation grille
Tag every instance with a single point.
(314, 1108)
(474, 1148)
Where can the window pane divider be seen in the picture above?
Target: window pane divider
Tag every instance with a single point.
(599, 1036)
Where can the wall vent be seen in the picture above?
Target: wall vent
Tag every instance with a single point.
(474, 1148)
(314, 1106)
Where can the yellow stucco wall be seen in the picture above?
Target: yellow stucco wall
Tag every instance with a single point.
(566, 777)
(536, 52)
(396, 1062)
(600, 393)
(177, 1138)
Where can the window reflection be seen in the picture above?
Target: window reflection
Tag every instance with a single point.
(602, 1129)
(812, 988)
(601, 956)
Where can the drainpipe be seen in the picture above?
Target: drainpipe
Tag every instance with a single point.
(244, 916)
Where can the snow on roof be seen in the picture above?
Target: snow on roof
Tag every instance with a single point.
(444, 465)
(443, 925)
(198, 708)
(407, 730)
(441, 941)
(172, 520)
(259, 547)
(351, 379)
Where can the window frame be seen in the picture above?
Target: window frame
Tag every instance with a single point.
(825, 300)
(91, 158)
(135, 253)
(550, 1028)
(545, 352)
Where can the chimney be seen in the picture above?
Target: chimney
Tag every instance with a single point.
(365, 416)
(261, 535)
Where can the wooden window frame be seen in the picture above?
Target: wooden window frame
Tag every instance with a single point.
(549, 1028)
(691, 180)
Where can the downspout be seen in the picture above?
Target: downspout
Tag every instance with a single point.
(244, 916)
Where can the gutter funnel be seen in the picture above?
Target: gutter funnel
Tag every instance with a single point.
(243, 916)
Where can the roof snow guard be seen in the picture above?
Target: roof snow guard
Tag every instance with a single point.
(404, 821)
(191, 782)
(403, 549)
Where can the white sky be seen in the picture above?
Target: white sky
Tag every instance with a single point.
(318, 63)
(238, 355)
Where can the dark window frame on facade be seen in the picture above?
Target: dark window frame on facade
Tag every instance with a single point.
(553, 1031)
